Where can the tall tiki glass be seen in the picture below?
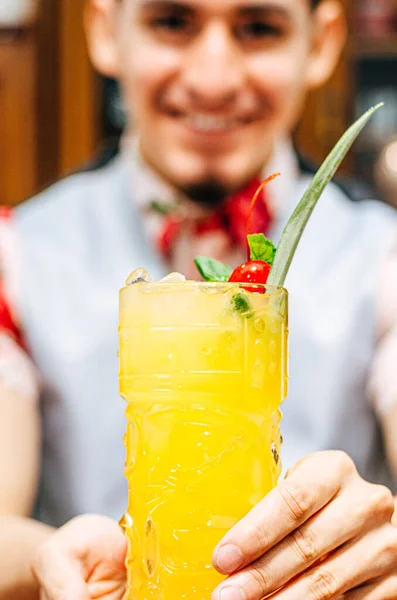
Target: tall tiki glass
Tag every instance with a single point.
(203, 368)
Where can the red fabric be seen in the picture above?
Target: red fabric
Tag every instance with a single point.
(231, 217)
(7, 322)
(5, 213)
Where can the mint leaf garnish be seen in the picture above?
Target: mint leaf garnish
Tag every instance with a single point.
(261, 248)
(241, 304)
(212, 270)
(297, 223)
(162, 208)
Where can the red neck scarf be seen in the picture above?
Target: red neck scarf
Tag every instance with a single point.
(231, 217)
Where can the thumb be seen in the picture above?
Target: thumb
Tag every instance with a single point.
(59, 576)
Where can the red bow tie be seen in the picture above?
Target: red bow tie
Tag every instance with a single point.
(231, 217)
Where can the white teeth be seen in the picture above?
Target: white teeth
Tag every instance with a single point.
(209, 123)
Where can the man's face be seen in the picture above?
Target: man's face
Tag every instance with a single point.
(210, 84)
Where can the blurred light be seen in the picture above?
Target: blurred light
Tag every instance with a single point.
(17, 13)
(390, 157)
(386, 172)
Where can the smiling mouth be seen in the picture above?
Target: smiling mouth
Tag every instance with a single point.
(212, 124)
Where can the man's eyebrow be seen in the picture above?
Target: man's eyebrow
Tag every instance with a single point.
(265, 9)
(252, 10)
(182, 7)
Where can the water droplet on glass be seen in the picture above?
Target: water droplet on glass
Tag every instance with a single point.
(259, 325)
(207, 350)
(274, 325)
(273, 347)
(275, 453)
(138, 276)
(173, 278)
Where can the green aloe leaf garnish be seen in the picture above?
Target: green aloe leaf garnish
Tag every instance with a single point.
(297, 222)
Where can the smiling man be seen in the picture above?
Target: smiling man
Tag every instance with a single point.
(225, 79)
(214, 83)
(213, 89)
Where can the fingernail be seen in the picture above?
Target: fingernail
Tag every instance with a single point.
(231, 593)
(229, 558)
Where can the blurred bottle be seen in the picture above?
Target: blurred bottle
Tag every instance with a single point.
(375, 17)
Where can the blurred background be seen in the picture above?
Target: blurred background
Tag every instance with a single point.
(57, 115)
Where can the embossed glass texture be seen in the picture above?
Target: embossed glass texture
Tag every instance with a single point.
(203, 383)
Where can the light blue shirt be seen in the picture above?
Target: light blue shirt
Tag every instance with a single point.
(80, 239)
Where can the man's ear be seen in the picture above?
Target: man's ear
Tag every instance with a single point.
(101, 30)
(329, 31)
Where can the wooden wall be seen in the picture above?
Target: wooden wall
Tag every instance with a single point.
(49, 101)
(327, 115)
(79, 91)
(18, 125)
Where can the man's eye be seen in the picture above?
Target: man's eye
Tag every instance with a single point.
(171, 23)
(257, 30)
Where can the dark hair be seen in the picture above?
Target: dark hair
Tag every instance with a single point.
(314, 3)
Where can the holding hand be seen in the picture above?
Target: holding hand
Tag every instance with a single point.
(83, 560)
(322, 534)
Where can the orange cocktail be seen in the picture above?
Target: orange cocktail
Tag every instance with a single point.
(203, 368)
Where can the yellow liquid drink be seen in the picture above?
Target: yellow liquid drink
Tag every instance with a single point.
(203, 368)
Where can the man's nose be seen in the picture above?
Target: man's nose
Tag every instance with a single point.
(213, 70)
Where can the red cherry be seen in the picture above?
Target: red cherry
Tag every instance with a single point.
(253, 271)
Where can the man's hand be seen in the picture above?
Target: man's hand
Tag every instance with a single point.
(322, 534)
(83, 560)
